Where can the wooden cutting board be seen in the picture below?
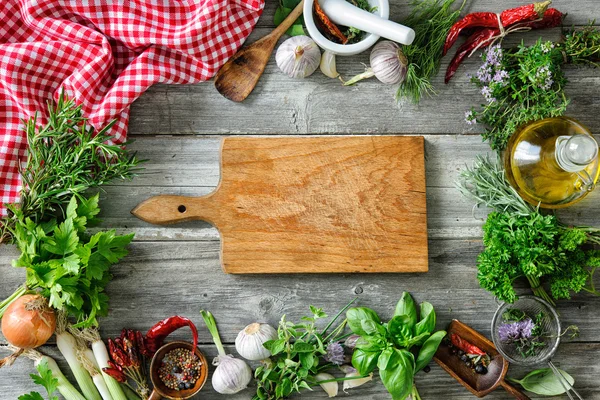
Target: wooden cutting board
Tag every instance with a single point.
(313, 204)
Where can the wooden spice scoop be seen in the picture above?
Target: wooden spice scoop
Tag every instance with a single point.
(479, 385)
(313, 205)
(240, 74)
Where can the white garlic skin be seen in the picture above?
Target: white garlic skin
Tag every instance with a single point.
(331, 388)
(388, 62)
(327, 65)
(298, 57)
(232, 375)
(249, 342)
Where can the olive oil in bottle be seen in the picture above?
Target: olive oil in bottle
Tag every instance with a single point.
(552, 162)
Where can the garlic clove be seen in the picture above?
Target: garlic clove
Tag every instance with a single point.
(232, 375)
(331, 388)
(353, 383)
(328, 65)
(249, 342)
(298, 57)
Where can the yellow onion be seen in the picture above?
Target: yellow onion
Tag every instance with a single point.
(28, 322)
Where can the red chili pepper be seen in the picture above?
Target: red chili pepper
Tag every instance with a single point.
(115, 373)
(117, 353)
(131, 353)
(480, 38)
(326, 26)
(465, 346)
(141, 342)
(483, 37)
(115, 366)
(529, 12)
(157, 334)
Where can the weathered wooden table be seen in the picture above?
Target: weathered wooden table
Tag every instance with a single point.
(176, 270)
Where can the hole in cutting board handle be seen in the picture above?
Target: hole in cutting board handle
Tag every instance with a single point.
(181, 209)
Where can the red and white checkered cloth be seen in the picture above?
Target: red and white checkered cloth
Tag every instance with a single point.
(104, 53)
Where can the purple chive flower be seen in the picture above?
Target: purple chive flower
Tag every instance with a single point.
(470, 118)
(526, 327)
(514, 331)
(335, 353)
(509, 332)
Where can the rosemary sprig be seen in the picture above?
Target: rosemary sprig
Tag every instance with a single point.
(65, 158)
(431, 21)
(485, 183)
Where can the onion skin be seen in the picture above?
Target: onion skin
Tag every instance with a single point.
(28, 322)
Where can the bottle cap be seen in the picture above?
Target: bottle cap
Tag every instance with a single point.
(577, 152)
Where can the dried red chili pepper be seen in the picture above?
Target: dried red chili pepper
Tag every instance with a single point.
(529, 12)
(111, 364)
(326, 26)
(141, 343)
(117, 353)
(157, 334)
(465, 346)
(484, 37)
(115, 373)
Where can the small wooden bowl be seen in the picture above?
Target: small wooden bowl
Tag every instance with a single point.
(160, 389)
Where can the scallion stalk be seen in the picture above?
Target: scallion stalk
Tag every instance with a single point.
(87, 359)
(64, 387)
(92, 336)
(67, 344)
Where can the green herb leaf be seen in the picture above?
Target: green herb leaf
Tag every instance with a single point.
(398, 377)
(428, 319)
(31, 396)
(428, 350)
(364, 361)
(544, 382)
(406, 306)
(357, 315)
(44, 379)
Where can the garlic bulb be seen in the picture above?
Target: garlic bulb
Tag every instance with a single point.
(331, 388)
(249, 342)
(298, 57)
(388, 64)
(232, 375)
(353, 373)
(327, 65)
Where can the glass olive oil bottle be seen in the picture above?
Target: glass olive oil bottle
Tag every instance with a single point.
(552, 162)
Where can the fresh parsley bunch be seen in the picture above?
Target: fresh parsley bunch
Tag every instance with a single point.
(399, 348)
(65, 263)
(521, 242)
(45, 379)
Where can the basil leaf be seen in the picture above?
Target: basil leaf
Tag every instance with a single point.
(428, 319)
(398, 378)
(384, 359)
(357, 315)
(406, 306)
(428, 350)
(400, 329)
(544, 382)
(365, 361)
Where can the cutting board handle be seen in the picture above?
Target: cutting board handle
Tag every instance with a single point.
(171, 209)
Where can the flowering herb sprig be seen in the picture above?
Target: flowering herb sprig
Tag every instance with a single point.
(518, 86)
(524, 332)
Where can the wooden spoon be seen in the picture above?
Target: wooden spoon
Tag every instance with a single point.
(238, 77)
(479, 385)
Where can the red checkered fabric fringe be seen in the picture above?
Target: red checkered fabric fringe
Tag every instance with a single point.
(104, 54)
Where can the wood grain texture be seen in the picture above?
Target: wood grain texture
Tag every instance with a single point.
(292, 205)
(176, 269)
(240, 74)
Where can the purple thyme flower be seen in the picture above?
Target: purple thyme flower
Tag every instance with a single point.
(493, 55)
(544, 77)
(486, 91)
(470, 118)
(499, 77)
(484, 74)
(546, 47)
(335, 353)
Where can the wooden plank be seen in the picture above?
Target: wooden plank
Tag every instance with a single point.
(579, 359)
(159, 279)
(312, 205)
(317, 104)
